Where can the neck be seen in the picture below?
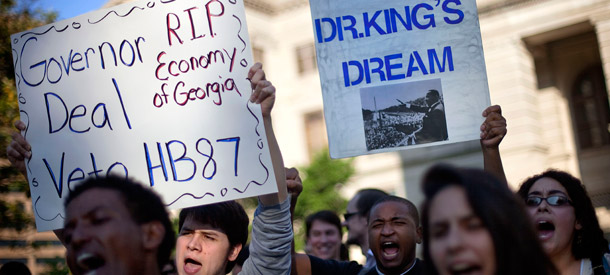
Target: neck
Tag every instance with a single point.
(150, 266)
(364, 246)
(403, 270)
(566, 264)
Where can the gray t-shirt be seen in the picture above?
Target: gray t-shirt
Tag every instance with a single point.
(271, 241)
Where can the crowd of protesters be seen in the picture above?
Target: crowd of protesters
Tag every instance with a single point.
(470, 223)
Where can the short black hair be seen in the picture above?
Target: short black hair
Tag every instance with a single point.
(14, 268)
(592, 243)
(412, 208)
(366, 198)
(516, 245)
(434, 93)
(326, 216)
(143, 204)
(229, 217)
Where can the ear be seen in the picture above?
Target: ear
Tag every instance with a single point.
(152, 234)
(233, 252)
(577, 225)
(419, 234)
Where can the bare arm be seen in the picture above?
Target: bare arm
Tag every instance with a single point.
(493, 130)
(19, 149)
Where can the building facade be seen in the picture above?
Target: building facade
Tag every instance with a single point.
(547, 61)
(547, 64)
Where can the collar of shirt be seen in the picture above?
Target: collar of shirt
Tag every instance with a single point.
(407, 271)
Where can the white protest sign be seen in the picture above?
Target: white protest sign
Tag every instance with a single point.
(152, 90)
(399, 74)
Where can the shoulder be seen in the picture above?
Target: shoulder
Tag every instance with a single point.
(439, 107)
(332, 267)
(418, 268)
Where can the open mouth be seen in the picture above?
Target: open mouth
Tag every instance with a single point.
(465, 269)
(389, 250)
(191, 266)
(88, 262)
(545, 229)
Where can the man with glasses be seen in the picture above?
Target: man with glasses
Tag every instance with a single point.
(356, 223)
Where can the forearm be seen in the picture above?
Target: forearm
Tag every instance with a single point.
(278, 167)
(492, 163)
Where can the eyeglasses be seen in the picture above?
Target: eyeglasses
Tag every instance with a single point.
(346, 216)
(552, 200)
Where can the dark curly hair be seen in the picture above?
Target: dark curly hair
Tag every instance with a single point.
(143, 204)
(516, 246)
(592, 243)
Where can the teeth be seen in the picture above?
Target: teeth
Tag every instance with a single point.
(459, 267)
(83, 257)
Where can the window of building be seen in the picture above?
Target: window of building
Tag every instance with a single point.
(13, 243)
(46, 243)
(8, 260)
(315, 130)
(50, 261)
(306, 58)
(590, 108)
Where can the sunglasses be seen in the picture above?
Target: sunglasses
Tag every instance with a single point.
(552, 200)
(346, 216)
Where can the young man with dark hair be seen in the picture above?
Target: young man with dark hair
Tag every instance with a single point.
(392, 231)
(211, 236)
(116, 226)
(226, 225)
(356, 220)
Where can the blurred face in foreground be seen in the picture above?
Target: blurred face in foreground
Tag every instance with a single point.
(557, 223)
(102, 238)
(393, 235)
(324, 240)
(201, 249)
(459, 242)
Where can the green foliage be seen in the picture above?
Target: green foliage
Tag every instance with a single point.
(16, 16)
(322, 180)
(57, 266)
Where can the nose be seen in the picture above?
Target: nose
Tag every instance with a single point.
(194, 243)
(80, 235)
(455, 240)
(387, 230)
(543, 206)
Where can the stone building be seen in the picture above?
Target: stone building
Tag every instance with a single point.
(547, 65)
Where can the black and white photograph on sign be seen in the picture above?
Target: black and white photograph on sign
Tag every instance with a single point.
(403, 114)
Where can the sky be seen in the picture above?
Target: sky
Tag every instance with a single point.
(387, 95)
(70, 8)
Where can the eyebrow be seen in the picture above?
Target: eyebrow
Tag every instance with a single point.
(391, 219)
(86, 214)
(207, 231)
(552, 192)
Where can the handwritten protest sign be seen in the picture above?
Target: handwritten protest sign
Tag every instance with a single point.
(152, 90)
(399, 74)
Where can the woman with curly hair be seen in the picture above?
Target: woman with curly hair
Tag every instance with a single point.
(567, 225)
